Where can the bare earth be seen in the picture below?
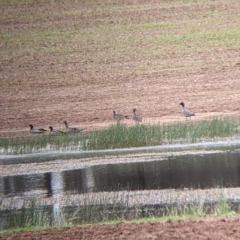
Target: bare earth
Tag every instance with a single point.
(204, 228)
(48, 79)
(79, 60)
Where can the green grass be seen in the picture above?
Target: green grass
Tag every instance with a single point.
(94, 210)
(27, 216)
(122, 136)
(36, 143)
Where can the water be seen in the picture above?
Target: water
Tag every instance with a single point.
(177, 171)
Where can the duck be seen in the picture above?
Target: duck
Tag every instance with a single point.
(55, 132)
(136, 118)
(71, 130)
(119, 117)
(186, 112)
(35, 130)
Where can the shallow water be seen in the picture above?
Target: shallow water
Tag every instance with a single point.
(202, 170)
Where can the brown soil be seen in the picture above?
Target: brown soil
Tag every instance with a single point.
(204, 228)
(47, 80)
(83, 86)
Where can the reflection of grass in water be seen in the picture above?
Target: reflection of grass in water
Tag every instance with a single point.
(101, 209)
(122, 136)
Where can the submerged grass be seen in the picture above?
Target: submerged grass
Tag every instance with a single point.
(122, 136)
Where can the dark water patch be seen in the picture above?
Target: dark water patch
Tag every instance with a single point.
(189, 171)
(29, 185)
(218, 169)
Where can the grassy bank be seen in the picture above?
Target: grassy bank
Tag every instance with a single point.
(94, 209)
(122, 136)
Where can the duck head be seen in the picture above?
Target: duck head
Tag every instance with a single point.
(182, 104)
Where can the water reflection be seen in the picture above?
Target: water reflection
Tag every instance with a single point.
(57, 188)
(190, 171)
(27, 185)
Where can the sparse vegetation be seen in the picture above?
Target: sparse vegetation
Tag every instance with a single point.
(97, 209)
(42, 143)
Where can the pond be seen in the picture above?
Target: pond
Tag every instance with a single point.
(190, 170)
(161, 172)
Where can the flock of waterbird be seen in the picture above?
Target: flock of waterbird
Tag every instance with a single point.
(35, 130)
(118, 117)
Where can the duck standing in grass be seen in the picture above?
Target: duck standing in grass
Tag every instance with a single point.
(35, 130)
(136, 118)
(71, 130)
(55, 132)
(118, 116)
(187, 113)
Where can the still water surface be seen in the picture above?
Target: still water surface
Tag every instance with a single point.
(177, 171)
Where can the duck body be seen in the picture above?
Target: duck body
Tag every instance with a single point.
(118, 116)
(71, 130)
(135, 117)
(186, 112)
(55, 132)
(35, 130)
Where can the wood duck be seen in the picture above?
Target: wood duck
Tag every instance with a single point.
(35, 130)
(187, 113)
(119, 117)
(55, 132)
(71, 130)
(136, 118)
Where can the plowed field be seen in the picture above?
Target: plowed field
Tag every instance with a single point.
(80, 60)
(218, 228)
